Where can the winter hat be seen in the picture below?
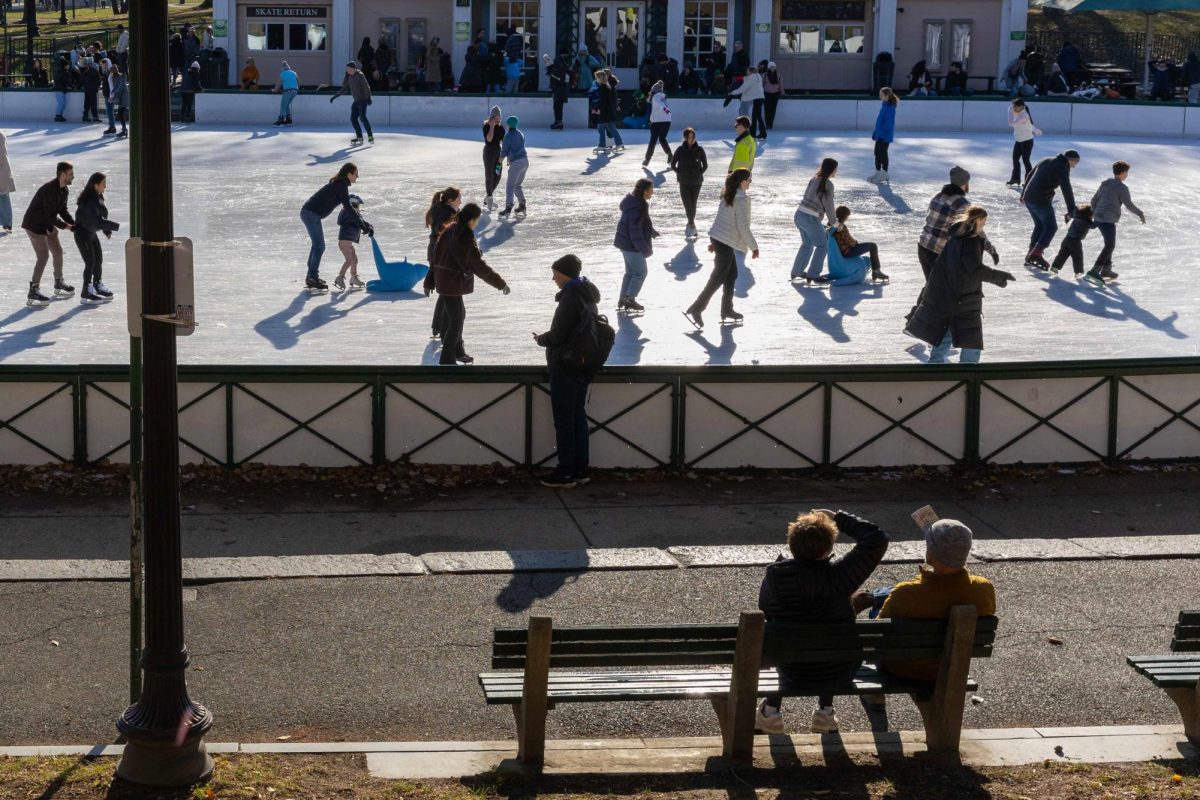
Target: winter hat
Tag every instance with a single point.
(656, 88)
(495, 112)
(352, 64)
(546, 59)
(1072, 155)
(513, 122)
(771, 65)
(195, 65)
(949, 542)
(284, 65)
(568, 265)
(959, 176)
(354, 200)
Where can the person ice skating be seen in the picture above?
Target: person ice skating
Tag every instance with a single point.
(745, 149)
(568, 386)
(884, 133)
(635, 239)
(442, 208)
(816, 203)
(46, 215)
(606, 109)
(7, 186)
(689, 163)
(118, 99)
(750, 93)
(772, 92)
(851, 248)
(333, 194)
(288, 87)
(1106, 212)
(91, 220)
(351, 226)
(559, 72)
(493, 166)
(452, 272)
(355, 84)
(513, 150)
(813, 587)
(951, 307)
(1072, 243)
(943, 207)
(1020, 119)
(188, 87)
(660, 123)
(730, 232)
(1050, 175)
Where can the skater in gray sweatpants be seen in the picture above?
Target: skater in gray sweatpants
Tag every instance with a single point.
(513, 148)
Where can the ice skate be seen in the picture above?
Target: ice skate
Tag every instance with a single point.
(505, 213)
(1107, 273)
(339, 283)
(693, 316)
(122, 135)
(557, 126)
(883, 178)
(619, 148)
(879, 276)
(370, 138)
(89, 298)
(278, 123)
(356, 141)
(490, 203)
(601, 151)
(316, 286)
(633, 305)
(819, 281)
(355, 283)
(1094, 278)
(62, 288)
(689, 233)
(110, 130)
(520, 212)
(731, 317)
(98, 288)
(36, 298)
(875, 177)
(287, 120)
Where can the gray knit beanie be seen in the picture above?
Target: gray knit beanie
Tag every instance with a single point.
(949, 542)
(959, 176)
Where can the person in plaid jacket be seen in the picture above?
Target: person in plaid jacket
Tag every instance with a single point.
(942, 208)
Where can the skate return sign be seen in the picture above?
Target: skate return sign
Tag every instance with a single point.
(184, 318)
(286, 11)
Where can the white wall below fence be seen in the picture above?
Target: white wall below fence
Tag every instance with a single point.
(803, 113)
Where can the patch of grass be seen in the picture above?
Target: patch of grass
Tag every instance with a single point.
(101, 17)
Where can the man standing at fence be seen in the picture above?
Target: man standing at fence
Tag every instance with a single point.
(122, 48)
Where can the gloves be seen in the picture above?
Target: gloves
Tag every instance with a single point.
(995, 257)
(1005, 277)
(505, 290)
(428, 291)
(333, 98)
(370, 230)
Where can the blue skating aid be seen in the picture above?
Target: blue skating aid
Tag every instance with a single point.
(845, 271)
(394, 276)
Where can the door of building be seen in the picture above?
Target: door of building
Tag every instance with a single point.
(613, 33)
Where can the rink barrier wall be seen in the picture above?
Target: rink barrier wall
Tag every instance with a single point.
(827, 417)
(1054, 116)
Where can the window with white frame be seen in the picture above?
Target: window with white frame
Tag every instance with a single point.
(705, 23)
(935, 44)
(960, 42)
(522, 15)
(826, 40)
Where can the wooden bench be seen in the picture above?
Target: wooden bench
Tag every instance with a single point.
(725, 664)
(1179, 675)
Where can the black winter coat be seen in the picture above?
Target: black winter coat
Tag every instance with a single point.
(89, 78)
(175, 52)
(91, 217)
(690, 164)
(560, 79)
(609, 105)
(442, 214)
(48, 209)
(1049, 175)
(953, 297)
(62, 79)
(191, 82)
(578, 295)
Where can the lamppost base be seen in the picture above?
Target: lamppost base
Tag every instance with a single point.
(164, 764)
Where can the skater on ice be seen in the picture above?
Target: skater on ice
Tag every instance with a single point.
(660, 123)
(1050, 175)
(1112, 195)
(635, 239)
(46, 216)
(355, 84)
(943, 207)
(512, 149)
(745, 149)
(7, 186)
(816, 203)
(288, 87)
(1072, 243)
(606, 110)
(351, 226)
(1020, 118)
(456, 263)
(730, 232)
(333, 194)
(951, 307)
(852, 248)
(493, 138)
(91, 219)
(884, 133)
(442, 208)
(689, 163)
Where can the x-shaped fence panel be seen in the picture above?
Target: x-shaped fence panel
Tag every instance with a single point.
(630, 424)
(876, 423)
(1159, 416)
(456, 423)
(36, 422)
(320, 424)
(202, 425)
(1039, 420)
(772, 424)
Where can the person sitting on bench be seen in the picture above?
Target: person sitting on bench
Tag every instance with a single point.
(811, 587)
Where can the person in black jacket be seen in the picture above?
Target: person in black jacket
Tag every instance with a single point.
(609, 108)
(442, 208)
(1048, 176)
(568, 388)
(811, 587)
(951, 305)
(176, 56)
(91, 219)
(89, 79)
(689, 164)
(187, 90)
(318, 207)
(46, 215)
(351, 226)
(62, 85)
(560, 83)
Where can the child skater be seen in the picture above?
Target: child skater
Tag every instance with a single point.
(351, 225)
(885, 131)
(851, 248)
(91, 219)
(1106, 212)
(1072, 244)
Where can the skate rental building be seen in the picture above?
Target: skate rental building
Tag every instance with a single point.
(821, 45)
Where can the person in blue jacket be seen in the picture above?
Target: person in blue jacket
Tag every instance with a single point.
(289, 87)
(513, 149)
(885, 131)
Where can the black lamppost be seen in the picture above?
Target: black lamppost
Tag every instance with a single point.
(164, 729)
(62, 12)
(31, 30)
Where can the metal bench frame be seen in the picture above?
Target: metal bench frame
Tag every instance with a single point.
(1178, 675)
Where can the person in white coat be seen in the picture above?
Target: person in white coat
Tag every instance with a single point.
(752, 97)
(7, 187)
(730, 233)
(1020, 118)
(660, 123)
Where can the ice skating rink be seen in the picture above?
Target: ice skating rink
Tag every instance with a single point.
(238, 193)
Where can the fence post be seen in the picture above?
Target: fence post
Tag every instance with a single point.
(971, 431)
(379, 421)
(79, 411)
(1114, 393)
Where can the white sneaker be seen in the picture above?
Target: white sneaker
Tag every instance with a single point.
(768, 720)
(824, 720)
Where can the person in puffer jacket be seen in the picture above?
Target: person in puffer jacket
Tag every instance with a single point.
(634, 238)
(660, 123)
(730, 232)
(351, 226)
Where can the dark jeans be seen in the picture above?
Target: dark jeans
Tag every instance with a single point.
(1072, 248)
(1045, 225)
(866, 248)
(568, 403)
(658, 135)
(723, 277)
(758, 125)
(93, 257)
(491, 178)
(187, 108)
(358, 111)
(312, 224)
(1109, 231)
(772, 103)
(881, 155)
(558, 107)
(689, 195)
(1021, 153)
(90, 105)
(455, 311)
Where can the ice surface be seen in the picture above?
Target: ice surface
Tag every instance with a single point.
(238, 192)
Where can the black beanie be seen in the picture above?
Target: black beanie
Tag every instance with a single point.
(1072, 155)
(568, 265)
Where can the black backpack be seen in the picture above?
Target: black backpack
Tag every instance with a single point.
(589, 346)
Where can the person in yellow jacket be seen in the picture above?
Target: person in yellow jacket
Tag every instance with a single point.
(744, 146)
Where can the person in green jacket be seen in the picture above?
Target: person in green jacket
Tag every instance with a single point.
(744, 146)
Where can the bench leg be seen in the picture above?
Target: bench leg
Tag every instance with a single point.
(942, 712)
(1188, 701)
(738, 731)
(720, 706)
(531, 711)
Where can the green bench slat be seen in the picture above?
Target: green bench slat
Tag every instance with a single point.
(1151, 659)
(1187, 631)
(591, 633)
(629, 646)
(1174, 681)
(1189, 617)
(1185, 645)
(682, 659)
(518, 678)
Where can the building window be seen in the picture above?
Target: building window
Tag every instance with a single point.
(798, 39)
(831, 40)
(934, 44)
(705, 23)
(960, 42)
(523, 15)
(843, 39)
(283, 36)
